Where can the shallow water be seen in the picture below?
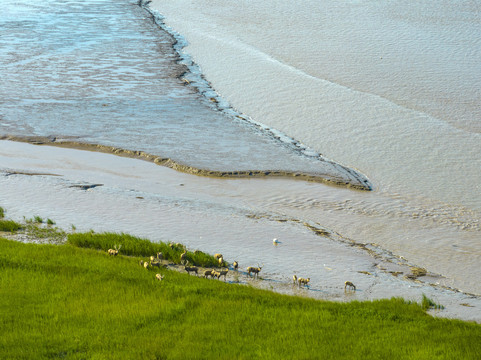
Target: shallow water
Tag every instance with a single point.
(391, 89)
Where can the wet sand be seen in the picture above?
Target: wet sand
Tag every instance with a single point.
(104, 192)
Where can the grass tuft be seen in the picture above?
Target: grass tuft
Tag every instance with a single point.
(9, 226)
(38, 220)
(428, 304)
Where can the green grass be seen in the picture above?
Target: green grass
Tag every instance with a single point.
(62, 301)
(134, 246)
(427, 303)
(38, 219)
(9, 225)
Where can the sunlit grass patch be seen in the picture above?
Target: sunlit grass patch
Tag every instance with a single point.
(135, 246)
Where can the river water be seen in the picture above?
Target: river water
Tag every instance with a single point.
(102, 71)
(392, 89)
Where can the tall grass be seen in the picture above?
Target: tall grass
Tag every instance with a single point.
(77, 303)
(134, 246)
(9, 225)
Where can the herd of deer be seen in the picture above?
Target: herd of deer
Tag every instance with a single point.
(155, 261)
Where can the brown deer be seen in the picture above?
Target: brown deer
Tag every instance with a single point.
(208, 273)
(191, 268)
(302, 281)
(350, 285)
(215, 274)
(183, 256)
(155, 263)
(115, 252)
(255, 270)
(223, 273)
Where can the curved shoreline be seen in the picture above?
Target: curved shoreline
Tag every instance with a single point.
(221, 216)
(356, 181)
(194, 78)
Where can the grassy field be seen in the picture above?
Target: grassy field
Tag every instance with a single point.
(71, 302)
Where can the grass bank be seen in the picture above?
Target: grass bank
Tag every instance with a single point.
(65, 301)
(134, 246)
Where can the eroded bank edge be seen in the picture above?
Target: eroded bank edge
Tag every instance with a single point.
(329, 179)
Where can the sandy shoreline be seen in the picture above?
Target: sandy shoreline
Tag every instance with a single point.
(213, 215)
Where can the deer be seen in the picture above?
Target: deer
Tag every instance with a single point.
(191, 268)
(223, 272)
(302, 281)
(215, 274)
(350, 285)
(208, 273)
(115, 252)
(255, 270)
(155, 263)
(183, 256)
